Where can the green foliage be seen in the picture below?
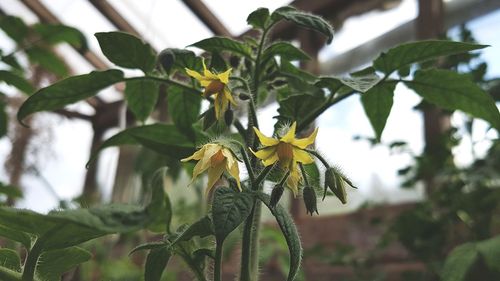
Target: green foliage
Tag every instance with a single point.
(127, 51)
(221, 44)
(230, 209)
(52, 264)
(141, 96)
(377, 103)
(10, 259)
(14, 27)
(156, 261)
(58, 33)
(184, 107)
(17, 81)
(68, 91)
(284, 50)
(259, 18)
(48, 60)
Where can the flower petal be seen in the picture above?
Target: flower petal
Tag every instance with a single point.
(220, 104)
(289, 137)
(214, 175)
(265, 141)
(234, 171)
(224, 77)
(305, 142)
(293, 180)
(207, 73)
(228, 95)
(196, 156)
(198, 169)
(195, 74)
(264, 153)
(302, 156)
(271, 160)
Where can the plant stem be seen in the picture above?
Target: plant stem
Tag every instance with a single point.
(218, 261)
(320, 158)
(251, 174)
(31, 262)
(304, 174)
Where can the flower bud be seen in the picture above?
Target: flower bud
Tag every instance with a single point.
(228, 117)
(244, 96)
(335, 182)
(276, 195)
(309, 196)
(166, 59)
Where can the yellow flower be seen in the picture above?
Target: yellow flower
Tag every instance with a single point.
(216, 85)
(287, 151)
(216, 159)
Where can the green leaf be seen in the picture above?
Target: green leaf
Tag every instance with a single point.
(202, 228)
(490, 251)
(305, 20)
(15, 235)
(172, 58)
(10, 190)
(230, 208)
(52, 264)
(288, 69)
(17, 81)
(127, 51)
(68, 91)
(285, 50)
(296, 107)
(10, 259)
(459, 262)
(4, 125)
(290, 233)
(165, 139)
(406, 54)
(141, 96)
(450, 90)
(48, 60)
(219, 44)
(258, 18)
(10, 275)
(184, 108)
(377, 103)
(57, 33)
(156, 262)
(14, 27)
(148, 246)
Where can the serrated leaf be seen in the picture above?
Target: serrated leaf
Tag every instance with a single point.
(184, 108)
(68, 91)
(57, 33)
(15, 235)
(14, 27)
(10, 259)
(258, 18)
(165, 139)
(48, 60)
(52, 264)
(220, 44)
(230, 208)
(17, 81)
(127, 51)
(141, 96)
(377, 103)
(405, 54)
(285, 50)
(156, 262)
(290, 233)
(296, 107)
(450, 90)
(9, 275)
(202, 228)
(305, 20)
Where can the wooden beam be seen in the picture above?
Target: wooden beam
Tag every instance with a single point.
(207, 17)
(47, 17)
(114, 16)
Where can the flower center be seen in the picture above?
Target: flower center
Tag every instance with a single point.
(285, 152)
(217, 159)
(216, 86)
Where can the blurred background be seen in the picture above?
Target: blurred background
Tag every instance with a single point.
(415, 186)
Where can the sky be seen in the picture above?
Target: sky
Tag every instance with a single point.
(171, 24)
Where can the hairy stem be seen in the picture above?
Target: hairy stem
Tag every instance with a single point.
(31, 262)
(218, 261)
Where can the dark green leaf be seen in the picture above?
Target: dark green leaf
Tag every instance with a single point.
(9, 275)
(405, 54)
(490, 251)
(290, 232)
(180, 59)
(220, 44)
(155, 264)
(377, 103)
(305, 20)
(10, 259)
(148, 246)
(230, 208)
(258, 18)
(48, 60)
(450, 90)
(126, 50)
(12, 61)
(17, 81)
(297, 107)
(16, 235)
(52, 264)
(14, 27)
(202, 228)
(10, 190)
(331, 83)
(285, 50)
(68, 91)
(57, 33)
(458, 262)
(165, 139)
(141, 96)
(184, 108)
(4, 118)
(288, 69)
